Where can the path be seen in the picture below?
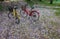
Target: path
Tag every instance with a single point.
(26, 29)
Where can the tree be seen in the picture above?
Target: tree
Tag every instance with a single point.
(1, 1)
(40, 0)
(51, 1)
(28, 0)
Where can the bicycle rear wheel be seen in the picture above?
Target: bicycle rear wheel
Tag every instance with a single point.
(35, 16)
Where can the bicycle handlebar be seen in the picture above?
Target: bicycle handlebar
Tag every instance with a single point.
(32, 7)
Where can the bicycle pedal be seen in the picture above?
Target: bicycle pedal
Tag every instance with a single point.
(34, 20)
(16, 23)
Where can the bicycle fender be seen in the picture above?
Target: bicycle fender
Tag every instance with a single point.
(32, 12)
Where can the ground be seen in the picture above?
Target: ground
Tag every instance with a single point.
(47, 27)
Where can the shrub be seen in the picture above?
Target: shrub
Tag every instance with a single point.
(1, 7)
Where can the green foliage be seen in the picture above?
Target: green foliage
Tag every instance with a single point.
(1, 7)
(44, 2)
(27, 0)
(30, 2)
(1, 0)
(57, 13)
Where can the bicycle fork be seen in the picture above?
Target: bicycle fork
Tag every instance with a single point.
(16, 16)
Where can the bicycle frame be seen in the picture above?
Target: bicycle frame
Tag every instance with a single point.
(30, 12)
(15, 14)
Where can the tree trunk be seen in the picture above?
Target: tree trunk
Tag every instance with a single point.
(51, 1)
(28, 0)
(40, 0)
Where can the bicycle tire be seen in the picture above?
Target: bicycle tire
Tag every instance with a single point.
(23, 13)
(17, 21)
(10, 15)
(33, 17)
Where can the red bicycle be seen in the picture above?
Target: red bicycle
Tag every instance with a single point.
(24, 12)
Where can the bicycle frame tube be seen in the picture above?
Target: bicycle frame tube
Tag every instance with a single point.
(28, 12)
(15, 14)
(32, 12)
(14, 11)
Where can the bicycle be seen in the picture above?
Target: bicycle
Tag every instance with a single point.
(24, 12)
(13, 14)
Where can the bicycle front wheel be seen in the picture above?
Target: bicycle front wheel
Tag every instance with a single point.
(23, 13)
(17, 21)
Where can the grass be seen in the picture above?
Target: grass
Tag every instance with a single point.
(30, 3)
(48, 4)
(57, 13)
